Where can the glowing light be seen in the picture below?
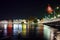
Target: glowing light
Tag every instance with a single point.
(5, 26)
(15, 26)
(38, 20)
(49, 9)
(24, 21)
(58, 15)
(57, 7)
(52, 18)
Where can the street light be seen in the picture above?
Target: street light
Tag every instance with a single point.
(57, 7)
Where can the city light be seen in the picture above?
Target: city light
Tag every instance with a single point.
(58, 15)
(49, 9)
(23, 27)
(30, 20)
(57, 7)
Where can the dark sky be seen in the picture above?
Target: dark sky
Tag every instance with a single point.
(12, 9)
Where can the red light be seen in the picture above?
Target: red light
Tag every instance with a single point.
(49, 9)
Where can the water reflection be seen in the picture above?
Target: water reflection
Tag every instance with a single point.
(47, 32)
(34, 30)
(5, 29)
(9, 28)
(15, 29)
(5, 32)
(23, 29)
(20, 28)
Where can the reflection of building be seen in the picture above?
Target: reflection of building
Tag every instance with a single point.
(23, 29)
(15, 27)
(40, 30)
(9, 28)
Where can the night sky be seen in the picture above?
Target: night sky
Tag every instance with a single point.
(14, 9)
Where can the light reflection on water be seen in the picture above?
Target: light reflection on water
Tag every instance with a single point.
(15, 32)
(18, 27)
(5, 32)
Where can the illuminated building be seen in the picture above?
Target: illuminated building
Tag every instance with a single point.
(5, 27)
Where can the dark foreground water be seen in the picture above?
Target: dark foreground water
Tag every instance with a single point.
(32, 36)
